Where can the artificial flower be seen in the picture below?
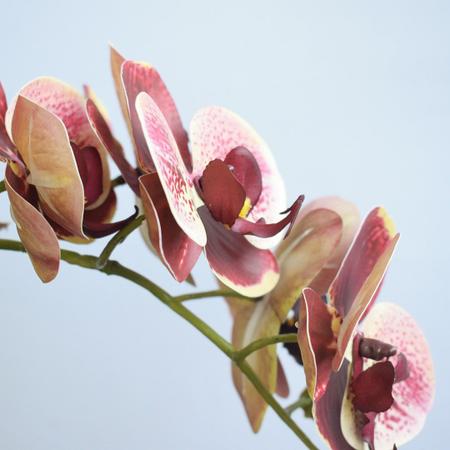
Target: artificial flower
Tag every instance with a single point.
(57, 176)
(226, 197)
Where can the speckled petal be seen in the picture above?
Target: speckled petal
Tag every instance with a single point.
(413, 397)
(173, 175)
(214, 132)
(363, 301)
(43, 143)
(177, 251)
(321, 231)
(141, 77)
(34, 231)
(375, 234)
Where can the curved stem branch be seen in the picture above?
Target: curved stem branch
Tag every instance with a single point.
(263, 342)
(115, 268)
(212, 293)
(117, 239)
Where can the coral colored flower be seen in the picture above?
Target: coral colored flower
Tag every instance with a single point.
(57, 176)
(371, 400)
(226, 198)
(310, 256)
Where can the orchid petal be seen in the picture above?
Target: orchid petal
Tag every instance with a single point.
(313, 247)
(326, 411)
(216, 180)
(238, 264)
(375, 234)
(5, 141)
(111, 145)
(214, 132)
(43, 143)
(282, 388)
(266, 230)
(316, 341)
(413, 396)
(363, 301)
(177, 251)
(34, 231)
(173, 175)
(246, 170)
(133, 77)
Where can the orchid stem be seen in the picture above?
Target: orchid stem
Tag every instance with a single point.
(118, 181)
(115, 268)
(210, 294)
(303, 402)
(2, 186)
(240, 355)
(117, 239)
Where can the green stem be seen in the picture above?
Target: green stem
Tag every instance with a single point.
(2, 186)
(117, 239)
(213, 293)
(115, 268)
(263, 342)
(304, 402)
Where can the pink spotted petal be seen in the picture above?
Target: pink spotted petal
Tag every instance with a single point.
(363, 301)
(316, 341)
(413, 397)
(65, 103)
(43, 143)
(177, 251)
(214, 132)
(111, 145)
(36, 234)
(267, 230)
(246, 269)
(375, 235)
(173, 175)
(141, 77)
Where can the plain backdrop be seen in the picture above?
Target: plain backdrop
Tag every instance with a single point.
(353, 97)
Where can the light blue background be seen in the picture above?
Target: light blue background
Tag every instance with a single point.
(353, 98)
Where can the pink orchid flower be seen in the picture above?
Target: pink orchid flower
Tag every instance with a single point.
(369, 400)
(57, 176)
(310, 256)
(226, 198)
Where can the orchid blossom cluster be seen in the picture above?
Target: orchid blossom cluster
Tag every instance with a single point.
(217, 190)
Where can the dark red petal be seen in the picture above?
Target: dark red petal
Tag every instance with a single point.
(140, 77)
(113, 147)
(327, 410)
(372, 388)
(237, 263)
(246, 170)
(401, 368)
(375, 349)
(90, 168)
(94, 228)
(222, 193)
(177, 251)
(265, 230)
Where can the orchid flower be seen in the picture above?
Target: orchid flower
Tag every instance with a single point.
(226, 198)
(57, 176)
(385, 405)
(310, 256)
